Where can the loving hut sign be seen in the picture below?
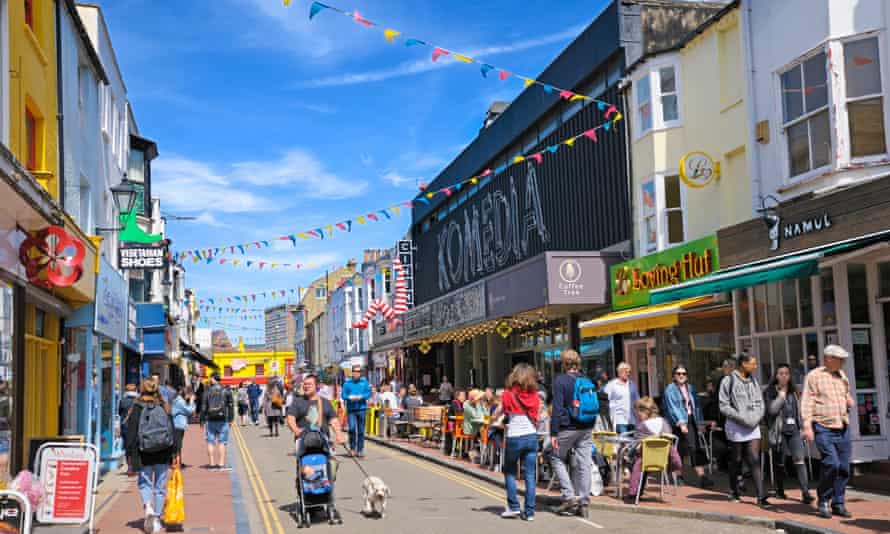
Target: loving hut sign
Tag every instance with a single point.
(632, 280)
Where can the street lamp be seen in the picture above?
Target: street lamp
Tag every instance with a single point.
(124, 195)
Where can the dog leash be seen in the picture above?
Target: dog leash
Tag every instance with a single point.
(354, 459)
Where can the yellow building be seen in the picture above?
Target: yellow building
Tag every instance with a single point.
(33, 91)
(688, 134)
(249, 363)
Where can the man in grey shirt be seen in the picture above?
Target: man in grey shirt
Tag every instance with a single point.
(446, 391)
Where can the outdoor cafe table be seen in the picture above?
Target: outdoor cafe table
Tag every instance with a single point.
(620, 442)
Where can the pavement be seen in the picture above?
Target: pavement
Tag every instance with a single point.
(871, 511)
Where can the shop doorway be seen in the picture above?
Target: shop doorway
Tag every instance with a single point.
(640, 354)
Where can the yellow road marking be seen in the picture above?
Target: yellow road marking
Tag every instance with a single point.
(251, 466)
(251, 477)
(446, 474)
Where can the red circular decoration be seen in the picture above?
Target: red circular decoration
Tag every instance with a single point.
(52, 258)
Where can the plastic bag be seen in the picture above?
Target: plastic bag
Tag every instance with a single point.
(596, 482)
(174, 506)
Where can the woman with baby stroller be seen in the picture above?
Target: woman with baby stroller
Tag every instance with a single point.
(309, 416)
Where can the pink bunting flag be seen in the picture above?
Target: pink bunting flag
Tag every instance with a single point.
(313, 233)
(222, 260)
(373, 217)
(408, 204)
(503, 75)
(447, 191)
(486, 172)
(439, 52)
(282, 292)
(537, 156)
(566, 95)
(610, 111)
(591, 134)
(361, 20)
(341, 226)
(261, 265)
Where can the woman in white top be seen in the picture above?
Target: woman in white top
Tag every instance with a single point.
(623, 395)
(521, 405)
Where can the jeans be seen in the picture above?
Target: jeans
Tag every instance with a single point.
(521, 449)
(255, 410)
(578, 484)
(217, 432)
(357, 431)
(834, 446)
(153, 486)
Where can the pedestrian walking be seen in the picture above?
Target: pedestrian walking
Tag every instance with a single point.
(243, 403)
(622, 394)
(273, 405)
(356, 393)
(575, 407)
(123, 411)
(254, 392)
(217, 414)
(741, 402)
(783, 421)
(683, 410)
(446, 391)
(150, 444)
(825, 413)
(183, 408)
(520, 404)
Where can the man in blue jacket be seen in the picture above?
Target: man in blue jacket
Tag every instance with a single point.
(254, 392)
(356, 393)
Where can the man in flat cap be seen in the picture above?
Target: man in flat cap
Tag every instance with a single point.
(825, 413)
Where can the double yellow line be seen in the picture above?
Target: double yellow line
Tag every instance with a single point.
(264, 502)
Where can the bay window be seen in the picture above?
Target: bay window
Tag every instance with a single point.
(657, 104)
(661, 213)
(865, 99)
(805, 115)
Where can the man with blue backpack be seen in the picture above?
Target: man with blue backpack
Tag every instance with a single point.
(575, 407)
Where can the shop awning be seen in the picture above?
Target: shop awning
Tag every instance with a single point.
(192, 353)
(804, 263)
(645, 318)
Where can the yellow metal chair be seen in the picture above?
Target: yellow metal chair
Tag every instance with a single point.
(655, 459)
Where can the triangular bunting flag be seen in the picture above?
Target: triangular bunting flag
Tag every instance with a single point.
(315, 9)
(437, 52)
(503, 75)
(485, 68)
(591, 134)
(390, 35)
(462, 58)
(414, 42)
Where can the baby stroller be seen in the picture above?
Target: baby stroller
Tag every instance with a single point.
(315, 491)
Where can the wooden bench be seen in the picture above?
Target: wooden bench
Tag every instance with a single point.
(426, 419)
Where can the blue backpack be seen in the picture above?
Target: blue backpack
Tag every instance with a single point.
(585, 403)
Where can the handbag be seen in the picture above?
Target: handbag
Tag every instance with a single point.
(174, 505)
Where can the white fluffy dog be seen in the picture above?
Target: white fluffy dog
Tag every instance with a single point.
(375, 492)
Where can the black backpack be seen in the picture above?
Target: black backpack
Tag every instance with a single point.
(216, 404)
(155, 429)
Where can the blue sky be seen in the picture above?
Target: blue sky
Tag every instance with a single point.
(268, 124)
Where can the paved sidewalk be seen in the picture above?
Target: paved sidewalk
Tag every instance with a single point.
(208, 497)
(871, 513)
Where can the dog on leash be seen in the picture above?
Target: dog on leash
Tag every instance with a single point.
(375, 492)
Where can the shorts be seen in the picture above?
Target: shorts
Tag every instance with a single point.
(242, 409)
(217, 432)
(177, 439)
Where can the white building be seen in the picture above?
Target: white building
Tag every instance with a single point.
(346, 306)
(819, 163)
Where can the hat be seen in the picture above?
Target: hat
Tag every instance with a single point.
(836, 351)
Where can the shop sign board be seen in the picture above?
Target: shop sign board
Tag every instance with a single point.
(461, 307)
(632, 280)
(698, 169)
(68, 473)
(142, 257)
(573, 278)
(15, 513)
(112, 304)
(406, 258)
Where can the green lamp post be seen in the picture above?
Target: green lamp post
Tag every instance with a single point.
(124, 195)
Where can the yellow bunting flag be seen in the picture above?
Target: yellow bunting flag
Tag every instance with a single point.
(360, 219)
(397, 210)
(575, 98)
(390, 35)
(570, 141)
(287, 2)
(618, 117)
(529, 81)
(474, 180)
(302, 235)
(236, 262)
(518, 159)
(430, 194)
(274, 265)
(461, 57)
(330, 229)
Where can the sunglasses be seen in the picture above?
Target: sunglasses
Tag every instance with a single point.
(680, 373)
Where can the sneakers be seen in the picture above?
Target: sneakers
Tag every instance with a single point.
(765, 504)
(156, 525)
(841, 511)
(148, 523)
(510, 514)
(529, 518)
(567, 507)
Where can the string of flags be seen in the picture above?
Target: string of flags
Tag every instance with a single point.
(211, 303)
(232, 316)
(391, 35)
(322, 232)
(210, 255)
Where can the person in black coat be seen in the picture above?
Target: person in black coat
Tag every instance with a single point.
(152, 466)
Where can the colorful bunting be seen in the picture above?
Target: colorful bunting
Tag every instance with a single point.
(437, 52)
(315, 9)
(361, 20)
(390, 35)
(486, 68)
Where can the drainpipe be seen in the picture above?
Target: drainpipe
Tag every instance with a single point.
(754, 152)
(60, 116)
(623, 88)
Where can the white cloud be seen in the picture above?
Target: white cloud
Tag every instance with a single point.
(298, 167)
(189, 185)
(209, 219)
(398, 180)
(316, 108)
(291, 30)
(410, 68)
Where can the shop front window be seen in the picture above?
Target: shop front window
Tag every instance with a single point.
(869, 414)
(858, 290)
(862, 359)
(789, 304)
(828, 308)
(743, 313)
(7, 375)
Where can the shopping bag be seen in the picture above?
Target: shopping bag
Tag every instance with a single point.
(174, 506)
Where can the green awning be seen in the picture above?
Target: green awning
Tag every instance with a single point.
(798, 265)
(737, 279)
